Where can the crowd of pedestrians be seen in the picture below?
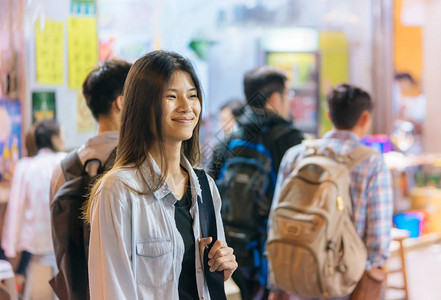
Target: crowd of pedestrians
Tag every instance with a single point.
(130, 214)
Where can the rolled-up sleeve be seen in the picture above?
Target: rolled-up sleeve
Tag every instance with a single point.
(379, 211)
(110, 250)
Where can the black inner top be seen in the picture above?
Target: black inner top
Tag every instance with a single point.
(184, 222)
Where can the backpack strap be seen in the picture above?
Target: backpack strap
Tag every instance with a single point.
(71, 166)
(351, 159)
(101, 167)
(358, 155)
(109, 162)
(316, 148)
(215, 280)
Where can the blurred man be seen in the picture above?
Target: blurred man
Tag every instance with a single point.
(245, 165)
(229, 112)
(370, 187)
(102, 89)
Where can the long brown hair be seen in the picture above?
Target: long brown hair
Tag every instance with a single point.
(141, 117)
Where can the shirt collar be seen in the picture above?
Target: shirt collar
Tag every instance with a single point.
(44, 151)
(164, 190)
(341, 135)
(103, 137)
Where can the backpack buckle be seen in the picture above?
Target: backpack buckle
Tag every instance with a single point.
(330, 246)
(340, 204)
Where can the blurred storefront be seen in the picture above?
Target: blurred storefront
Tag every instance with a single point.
(319, 44)
(48, 46)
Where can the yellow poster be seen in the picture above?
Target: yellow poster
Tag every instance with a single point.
(334, 69)
(49, 50)
(83, 49)
(85, 120)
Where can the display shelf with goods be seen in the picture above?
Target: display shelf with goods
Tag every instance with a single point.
(417, 190)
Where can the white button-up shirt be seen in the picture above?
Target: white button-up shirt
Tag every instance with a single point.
(27, 222)
(135, 249)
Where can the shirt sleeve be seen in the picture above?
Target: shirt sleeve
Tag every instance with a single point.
(379, 212)
(15, 209)
(110, 249)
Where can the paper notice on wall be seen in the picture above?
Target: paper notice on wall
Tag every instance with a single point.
(85, 120)
(83, 49)
(83, 7)
(49, 51)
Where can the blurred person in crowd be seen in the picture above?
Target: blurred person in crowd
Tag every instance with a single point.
(27, 221)
(19, 170)
(147, 212)
(350, 111)
(412, 103)
(102, 90)
(229, 112)
(264, 132)
(411, 112)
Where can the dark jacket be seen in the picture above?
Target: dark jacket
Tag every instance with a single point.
(278, 136)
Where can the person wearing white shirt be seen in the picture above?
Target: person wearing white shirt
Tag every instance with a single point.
(146, 240)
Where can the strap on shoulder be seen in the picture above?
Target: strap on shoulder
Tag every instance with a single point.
(110, 161)
(101, 167)
(206, 208)
(358, 155)
(71, 165)
(315, 147)
(351, 159)
(215, 280)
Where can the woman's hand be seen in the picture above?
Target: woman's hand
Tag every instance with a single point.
(221, 257)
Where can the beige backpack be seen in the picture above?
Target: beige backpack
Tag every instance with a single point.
(313, 247)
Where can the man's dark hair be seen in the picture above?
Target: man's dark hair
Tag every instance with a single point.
(237, 107)
(44, 131)
(401, 76)
(346, 104)
(104, 84)
(260, 83)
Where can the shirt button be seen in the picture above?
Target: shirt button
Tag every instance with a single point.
(199, 270)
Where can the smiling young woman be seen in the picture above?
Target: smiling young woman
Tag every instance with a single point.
(146, 236)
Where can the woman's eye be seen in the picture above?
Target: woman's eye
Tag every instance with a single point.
(170, 96)
(193, 96)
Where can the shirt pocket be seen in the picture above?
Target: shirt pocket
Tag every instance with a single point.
(154, 262)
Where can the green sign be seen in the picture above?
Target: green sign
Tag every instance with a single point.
(43, 106)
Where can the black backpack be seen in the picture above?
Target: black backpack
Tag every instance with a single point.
(246, 184)
(70, 234)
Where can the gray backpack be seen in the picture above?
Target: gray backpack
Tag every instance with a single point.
(313, 247)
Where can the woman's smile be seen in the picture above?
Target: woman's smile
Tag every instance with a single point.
(184, 120)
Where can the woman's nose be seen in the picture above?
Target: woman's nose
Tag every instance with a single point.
(184, 104)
